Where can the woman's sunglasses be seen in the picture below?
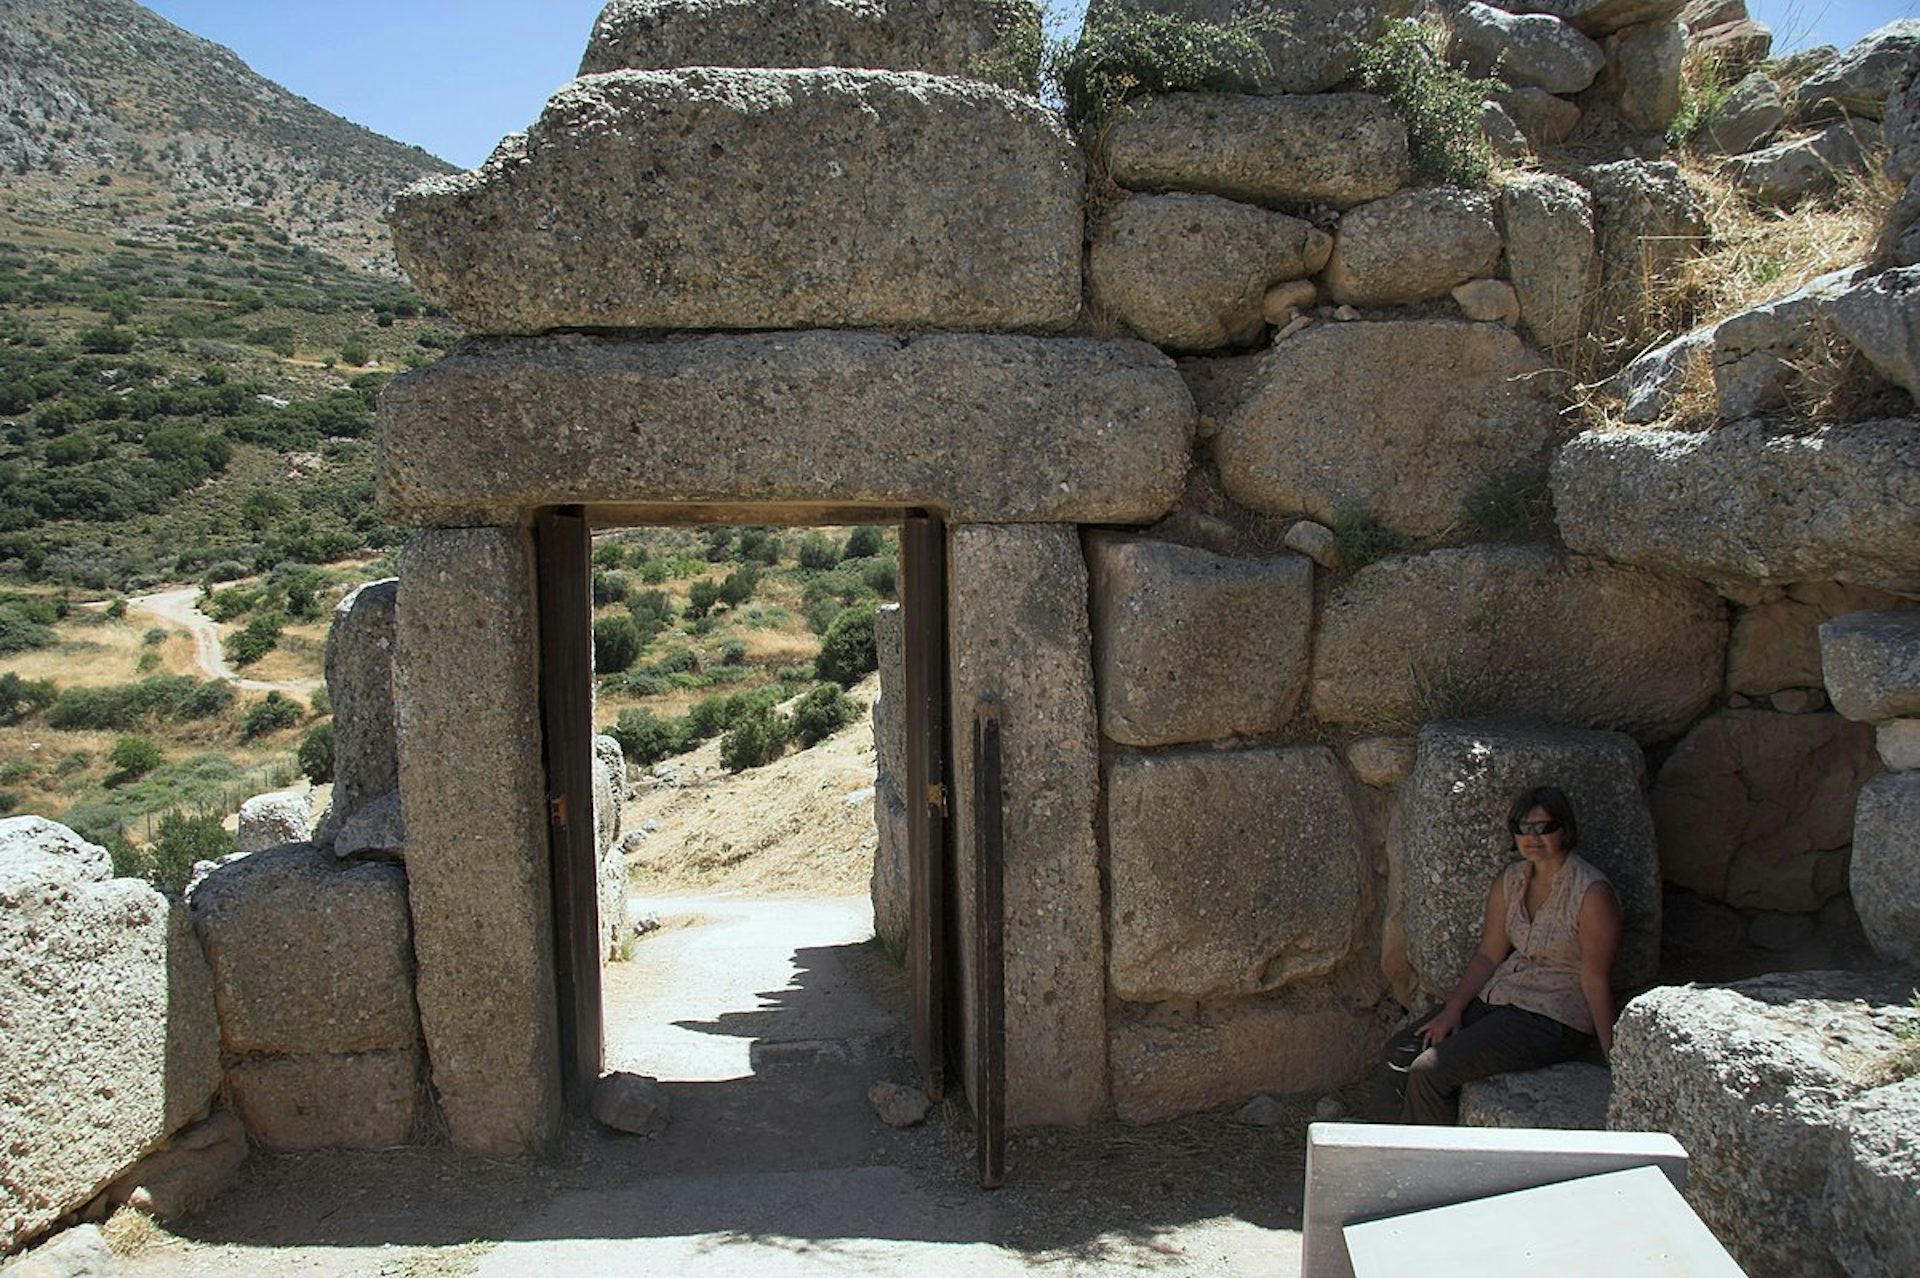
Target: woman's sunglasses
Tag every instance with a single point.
(1536, 827)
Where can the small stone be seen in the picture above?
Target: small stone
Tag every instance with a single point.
(630, 1103)
(1316, 542)
(1545, 118)
(1898, 741)
(1799, 700)
(899, 1105)
(1297, 324)
(1329, 1109)
(643, 924)
(1488, 301)
(1502, 134)
(1284, 301)
(1382, 761)
(81, 1252)
(1261, 1111)
(1345, 314)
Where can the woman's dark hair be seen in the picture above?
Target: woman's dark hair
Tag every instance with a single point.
(1558, 806)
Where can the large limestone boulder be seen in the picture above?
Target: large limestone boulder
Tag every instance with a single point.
(943, 39)
(1880, 317)
(1648, 223)
(1749, 116)
(1514, 629)
(1872, 664)
(1404, 420)
(1194, 646)
(1533, 49)
(1643, 65)
(106, 1013)
(1858, 82)
(1180, 1058)
(1189, 272)
(1454, 836)
(1760, 354)
(1789, 171)
(1756, 809)
(1776, 640)
(1601, 17)
(1885, 875)
(360, 688)
(1230, 873)
(268, 820)
(717, 198)
(1412, 246)
(1310, 44)
(1751, 502)
(987, 428)
(308, 955)
(359, 1100)
(1876, 1188)
(1763, 1082)
(1340, 149)
(1551, 258)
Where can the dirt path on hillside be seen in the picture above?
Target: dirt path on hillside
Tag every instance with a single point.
(181, 608)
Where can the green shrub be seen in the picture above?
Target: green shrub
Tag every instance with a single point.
(182, 840)
(1705, 87)
(1124, 53)
(702, 595)
(274, 714)
(316, 753)
(1440, 104)
(254, 640)
(117, 609)
(756, 738)
(679, 661)
(609, 587)
(616, 644)
(609, 554)
(646, 738)
(823, 711)
(133, 757)
(822, 612)
(733, 653)
(321, 702)
(864, 542)
(716, 714)
(1017, 57)
(882, 577)
(123, 707)
(847, 650)
(19, 632)
(1360, 539)
(740, 585)
(355, 353)
(21, 697)
(759, 545)
(817, 552)
(154, 637)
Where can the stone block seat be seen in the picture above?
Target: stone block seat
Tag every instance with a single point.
(1570, 1096)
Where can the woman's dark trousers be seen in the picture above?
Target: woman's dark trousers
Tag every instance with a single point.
(1490, 1040)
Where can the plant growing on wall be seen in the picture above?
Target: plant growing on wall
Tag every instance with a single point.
(1440, 104)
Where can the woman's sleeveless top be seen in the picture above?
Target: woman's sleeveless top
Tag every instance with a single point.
(1543, 972)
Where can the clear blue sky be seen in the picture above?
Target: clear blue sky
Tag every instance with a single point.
(455, 76)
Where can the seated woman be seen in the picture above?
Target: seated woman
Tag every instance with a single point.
(1538, 990)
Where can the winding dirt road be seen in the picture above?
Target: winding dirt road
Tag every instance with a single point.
(180, 608)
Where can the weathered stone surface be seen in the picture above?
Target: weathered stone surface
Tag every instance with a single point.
(308, 955)
(891, 886)
(1194, 646)
(1748, 117)
(1880, 316)
(1454, 827)
(1756, 809)
(1316, 541)
(377, 832)
(1019, 635)
(1533, 49)
(1872, 664)
(1571, 1096)
(1898, 742)
(895, 35)
(1875, 1190)
(1647, 222)
(1734, 45)
(1643, 71)
(1402, 419)
(360, 689)
(1502, 134)
(1901, 124)
(898, 1105)
(1412, 246)
(1488, 302)
(367, 1100)
(1759, 354)
(1789, 171)
(188, 1172)
(609, 791)
(269, 820)
(716, 198)
(1703, 15)
(106, 1011)
(1341, 149)
(1287, 299)
(1551, 255)
(1177, 1059)
(1189, 272)
(80, 1252)
(1885, 876)
(986, 428)
(632, 1103)
(1651, 386)
(1749, 502)
(1546, 120)
(1510, 629)
(1776, 642)
(1755, 1080)
(477, 870)
(1310, 44)
(1382, 761)
(1231, 873)
(1858, 83)
(1601, 17)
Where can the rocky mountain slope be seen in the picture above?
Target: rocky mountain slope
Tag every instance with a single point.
(110, 116)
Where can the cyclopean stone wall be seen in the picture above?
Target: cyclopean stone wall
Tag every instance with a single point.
(1256, 767)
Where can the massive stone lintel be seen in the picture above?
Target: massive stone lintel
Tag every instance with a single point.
(472, 780)
(1020, 636)
(715, 198)
(989, 429)
(1751, 502)
(901, 35)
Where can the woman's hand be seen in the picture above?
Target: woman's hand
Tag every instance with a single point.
(1440, 1028)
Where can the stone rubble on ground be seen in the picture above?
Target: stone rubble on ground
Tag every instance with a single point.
(631, 1103)
(899, 1104)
